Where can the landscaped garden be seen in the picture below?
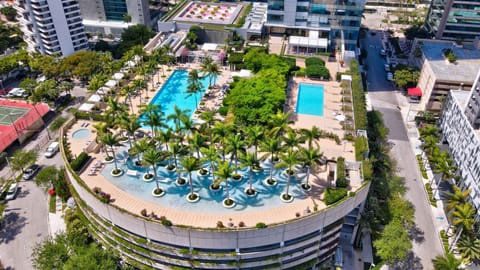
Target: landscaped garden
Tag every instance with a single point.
(212, 12)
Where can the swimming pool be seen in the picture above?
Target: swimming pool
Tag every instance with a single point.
(81, 134)
(310, 99)
(173, 93)
(268, 197)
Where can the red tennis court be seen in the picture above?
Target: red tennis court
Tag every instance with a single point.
(18, 119)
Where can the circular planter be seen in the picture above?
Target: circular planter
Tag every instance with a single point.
(159, 194)
(105, 160)
(200, 174)
(275, 160)
(193, 200)
(305, 187)
(287, 200)
(171, 168)
(224, 203)
(289, 174)
(268, 183)
(146, 179)
(257, 169)
(237, 177)
(252, 194)
(181, 181)
(138, 163)
(215, 189)
(116, 174)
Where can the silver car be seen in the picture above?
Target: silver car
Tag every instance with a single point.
(12, 192)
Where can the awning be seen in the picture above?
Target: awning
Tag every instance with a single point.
(86, 107)
(111, 83)
(94, 98)
(414, 92)
(118, 76)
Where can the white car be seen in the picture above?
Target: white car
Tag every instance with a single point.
(12, 192)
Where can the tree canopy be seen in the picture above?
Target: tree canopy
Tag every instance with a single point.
(405, 76)
(134, 35)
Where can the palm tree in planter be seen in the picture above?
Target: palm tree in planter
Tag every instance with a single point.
(271, 146)
(311, 135)
(311, 157)
(139, 147)
(130, 124)
(280, 123)
(235, 145)
(175, 150)
(151, 157)
(209, 154)
(177, 116)
(224, 172)
(255, 135)
(220, 133)
(457, 198)
(153, 117)
(289, 159)
(213, 71)
(189, 165)
(463, 220)
(112, 140)
(249, 160)
(291, 139)
(196, 141)
(164, 137)
(469, 248)
(446, 262)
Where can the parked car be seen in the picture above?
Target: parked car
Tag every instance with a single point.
(52, 150)
(12, 192)
(387, 67)
(30, 172)
(390, 76)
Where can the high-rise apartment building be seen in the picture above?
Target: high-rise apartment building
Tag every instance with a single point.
(113, 16)
(454, 19)
(317, 25)
(52, 27)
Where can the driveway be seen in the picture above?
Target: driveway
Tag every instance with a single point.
(384, 98)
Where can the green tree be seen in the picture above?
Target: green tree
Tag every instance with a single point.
(288, 160)
(456, 198)
(394, 244)
(139, 147)
(134, 35)
(469, 248)
(197, 141)
(111, 141)
(65, 86)
(29, 84)
(291, 139)
(224, 172)
(194, 85)
(235, 146)
(153, 116)
(152, 157)
(189, 165)
(22, 159)
(61, 186)
(311, 135)
(249, 160)
(272, 146)
(127, 18)
(177, 116)
(405, 76)
(9, 12)
(46, 90)
(210, 154)
(45, 177)
(311, 158)
(255, 134)
(446, 262)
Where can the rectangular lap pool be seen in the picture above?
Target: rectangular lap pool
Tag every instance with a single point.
(310, 99)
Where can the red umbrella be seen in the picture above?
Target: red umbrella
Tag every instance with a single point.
(51, 192)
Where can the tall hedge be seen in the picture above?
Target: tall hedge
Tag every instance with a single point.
(312, 61)
(359, 106)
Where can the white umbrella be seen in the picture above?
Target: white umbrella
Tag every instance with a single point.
(340, 117)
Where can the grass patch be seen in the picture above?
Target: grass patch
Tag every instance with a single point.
(422, 167)
(52, 204)
(430, 194)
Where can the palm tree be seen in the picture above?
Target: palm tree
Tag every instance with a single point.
(457, 198)
(140, 147)
(97, 81)
(220, 132)
(224, 172)
(139, 85)
(429, 143)
(112, 141)
(189, 165)
(153, 116)
(130, 124)
(254, 135)
(445, 168)
(194, 85)
(279, 123)
(249, 160)
(152, 157)
(428, 130)
(311, 157)
(206, 64)
(310, 135)
(289, 159)
(196, 141)
(291, 139)
(177, 116)
(235, 145)
(271, 146)
(213, 71)
(127, 91)
(446, 262)
(165, 136)
(469, 248)
(175, 150)
(115, 110)
(210, 154)
(463, 220)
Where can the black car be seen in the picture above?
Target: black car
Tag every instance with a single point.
(30, 172)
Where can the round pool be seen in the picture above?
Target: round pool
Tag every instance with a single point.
(81, 134)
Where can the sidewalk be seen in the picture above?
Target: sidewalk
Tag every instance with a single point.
(56, 223)
(408, 110)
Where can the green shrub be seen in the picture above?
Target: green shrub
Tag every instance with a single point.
(223, 111)
(361, 147)
(338, 76)
(314, 61)
(261, 225)
(444, 237)
(80, 161)
(430, 194)
(317, 71)
(359, 107)
(422, 167)
(333, 195)
(341, 169)
(58, 123)
(89, 116)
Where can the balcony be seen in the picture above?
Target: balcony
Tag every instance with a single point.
(41, 11)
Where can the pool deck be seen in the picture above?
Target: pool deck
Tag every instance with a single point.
(287, 211)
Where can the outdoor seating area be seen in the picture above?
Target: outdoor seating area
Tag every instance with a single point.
(95, 168)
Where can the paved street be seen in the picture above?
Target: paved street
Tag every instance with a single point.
(426, 244)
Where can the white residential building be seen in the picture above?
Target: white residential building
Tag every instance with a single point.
(460, 130)
(52, 27)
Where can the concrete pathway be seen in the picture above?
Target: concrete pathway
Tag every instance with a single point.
(56, 223)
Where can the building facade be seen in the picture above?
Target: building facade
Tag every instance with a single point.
(52, 27)
(460, 130)
(113, 16)
(454, 19)
(317, 25)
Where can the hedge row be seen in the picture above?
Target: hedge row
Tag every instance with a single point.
(358, 97)
(333, 195)
(341, 169)
(89, 116)
(80, 161)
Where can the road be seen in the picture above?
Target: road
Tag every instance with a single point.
(384, 98)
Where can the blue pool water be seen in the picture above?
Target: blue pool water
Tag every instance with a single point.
(310, 99)
(267, 198)
(81, 134)
(173, 93)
